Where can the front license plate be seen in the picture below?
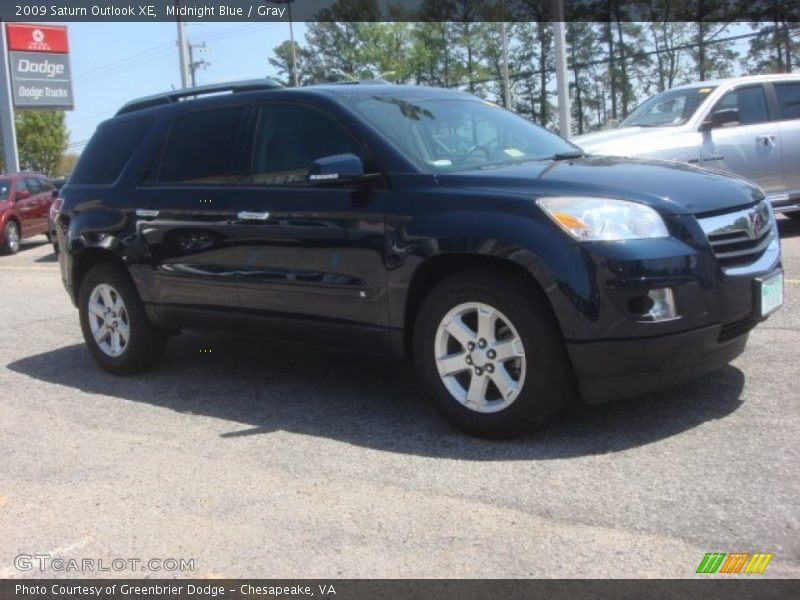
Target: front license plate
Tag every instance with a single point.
(771, 294)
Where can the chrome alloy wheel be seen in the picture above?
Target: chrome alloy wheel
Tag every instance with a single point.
(480, 357)
(12, 233)
(108, 320)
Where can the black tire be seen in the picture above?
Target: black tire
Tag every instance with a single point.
(8, 247)
(145, 343)
(547, 386)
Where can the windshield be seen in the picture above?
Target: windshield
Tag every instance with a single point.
(670, 108)
(5, 188)
(458, 133)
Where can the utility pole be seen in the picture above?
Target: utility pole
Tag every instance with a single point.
(504, 41)
(562, 85)
(193, 64)
(184, 65)
(10, 155)
(294, 50)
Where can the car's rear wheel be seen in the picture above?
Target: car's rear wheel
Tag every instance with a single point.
(116, 329)
(11, 238)
(488, 350)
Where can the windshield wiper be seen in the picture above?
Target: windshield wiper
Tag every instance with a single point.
(568, 155)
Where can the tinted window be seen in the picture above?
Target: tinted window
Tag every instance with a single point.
(21, 185)
(109, 149)
(749, 101)
(45, 185)
(290, 138)
(34, 185)
(670, 108)
(789, 99)
(206, 147)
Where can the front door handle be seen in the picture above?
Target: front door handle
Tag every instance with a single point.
(247, 215)
(766, 140)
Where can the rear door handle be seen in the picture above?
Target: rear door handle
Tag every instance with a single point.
(147, 213)
(247, 215)
(766, 140)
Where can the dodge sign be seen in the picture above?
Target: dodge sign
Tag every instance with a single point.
(40, 75)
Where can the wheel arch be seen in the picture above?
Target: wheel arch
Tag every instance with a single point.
(86, 259)
(441, 266)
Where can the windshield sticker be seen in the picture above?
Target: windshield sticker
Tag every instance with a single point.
(442, 163)
(704, 90)
(514, 153)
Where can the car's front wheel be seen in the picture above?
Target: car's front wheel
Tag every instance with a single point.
(488, 350)
(11, 238)
(116, 329)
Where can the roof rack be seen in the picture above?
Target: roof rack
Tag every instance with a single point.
(250, 85)
(360, 82)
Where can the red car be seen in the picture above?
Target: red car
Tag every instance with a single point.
(25, 200)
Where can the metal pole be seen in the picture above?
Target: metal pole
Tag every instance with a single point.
(294, 52)
(182, 53)
(504, 43)
(562, 85)
(7, 110)
(192, 66)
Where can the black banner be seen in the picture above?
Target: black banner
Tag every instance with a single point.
(778, 11)
(419, 589)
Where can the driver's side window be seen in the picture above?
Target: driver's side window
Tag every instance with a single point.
(290, 137)
(750, 102)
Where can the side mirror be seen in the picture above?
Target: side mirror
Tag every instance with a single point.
(22, 194)
(719, 118)
(336, 167)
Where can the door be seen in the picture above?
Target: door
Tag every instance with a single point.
(39, 196)
(788, 97)
(750, 147)
(25, 205)
(310, 250)
(186, 205)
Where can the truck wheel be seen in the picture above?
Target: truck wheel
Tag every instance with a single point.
(491, 356)
(116, 329)
(11, 238)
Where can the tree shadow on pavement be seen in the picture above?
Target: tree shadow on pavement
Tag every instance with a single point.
(261, 387)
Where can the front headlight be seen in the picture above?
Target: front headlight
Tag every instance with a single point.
(590, 219)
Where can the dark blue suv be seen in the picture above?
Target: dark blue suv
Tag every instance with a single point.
(517, 271)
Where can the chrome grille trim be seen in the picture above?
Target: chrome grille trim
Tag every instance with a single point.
(744, 241)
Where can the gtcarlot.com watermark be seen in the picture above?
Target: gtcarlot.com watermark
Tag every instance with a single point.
(47, 562)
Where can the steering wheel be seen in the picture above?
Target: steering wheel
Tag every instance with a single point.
(473, 150)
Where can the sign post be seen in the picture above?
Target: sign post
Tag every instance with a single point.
(34, 73)
(10, 157)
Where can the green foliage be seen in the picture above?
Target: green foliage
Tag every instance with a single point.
(614, 62)
(41, 138)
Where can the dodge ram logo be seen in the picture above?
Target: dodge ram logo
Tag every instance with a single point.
(38, 36)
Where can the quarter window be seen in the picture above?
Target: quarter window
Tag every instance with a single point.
(749, 101)
(290, 138)
(789, 99)
(206, 147)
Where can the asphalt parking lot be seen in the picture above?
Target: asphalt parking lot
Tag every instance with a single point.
(261, 459)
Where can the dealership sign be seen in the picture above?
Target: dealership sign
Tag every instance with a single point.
(39, 62)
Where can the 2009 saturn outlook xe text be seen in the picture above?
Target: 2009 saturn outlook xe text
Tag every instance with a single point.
(516, 271)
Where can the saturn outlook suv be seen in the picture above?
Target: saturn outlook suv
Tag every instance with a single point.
(749, 126)
(517, 272)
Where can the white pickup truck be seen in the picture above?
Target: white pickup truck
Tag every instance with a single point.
(746, 125)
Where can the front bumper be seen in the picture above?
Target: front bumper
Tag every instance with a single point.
(609, 370)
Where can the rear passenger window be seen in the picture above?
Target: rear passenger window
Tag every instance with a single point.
(749, 101)
(789, 99)
(290, 138)
(207, 146)
(33, 185)
(109, 149)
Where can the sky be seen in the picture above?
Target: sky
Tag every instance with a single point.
(113, 63)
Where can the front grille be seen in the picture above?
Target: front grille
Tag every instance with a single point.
(740, 237)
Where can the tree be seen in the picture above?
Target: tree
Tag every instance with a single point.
(65, 165)
(41, 138)
(282, 62)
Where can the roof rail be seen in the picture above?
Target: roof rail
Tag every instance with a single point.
(250, 85)
(360, 82)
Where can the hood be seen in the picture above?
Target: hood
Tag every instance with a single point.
(628, 140)
(668, 186)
